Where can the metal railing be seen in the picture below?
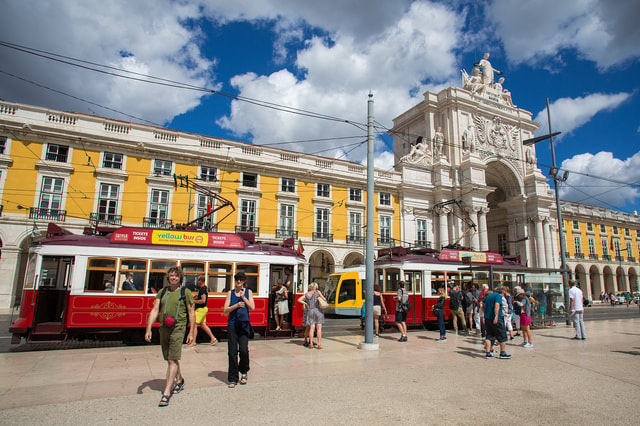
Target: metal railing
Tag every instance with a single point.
(245, 228)
(322, 236)
(355, 239)
(105, 218)
(154, 222)
(47, 214)
(286, 233)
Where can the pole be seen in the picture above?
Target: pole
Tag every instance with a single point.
(563, 259)
(368, 314)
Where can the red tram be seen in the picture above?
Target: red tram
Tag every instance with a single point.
(75, 284)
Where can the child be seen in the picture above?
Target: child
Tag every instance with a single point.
(525, 317)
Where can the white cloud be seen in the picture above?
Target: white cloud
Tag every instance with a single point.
(602, 31)
(601, 179)
(568, 114)
(147, 36)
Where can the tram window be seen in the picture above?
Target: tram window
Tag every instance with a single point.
(392, 276)
(453, 278)
(251, 271)
(220, 278)
(417, 282)
(191, 272)
(437, 281)
(467, 277)
(157, 275)
(49, 271)
(133, 275)
(347, 290)
(379, 278)
(507, 281)
(99, 272)
(29, 280)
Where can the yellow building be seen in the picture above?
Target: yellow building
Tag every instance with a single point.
(83, 171)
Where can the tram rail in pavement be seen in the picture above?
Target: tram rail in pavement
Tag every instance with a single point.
(559, 381)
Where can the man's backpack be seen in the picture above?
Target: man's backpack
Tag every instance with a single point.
(467, 302)
(454, 301)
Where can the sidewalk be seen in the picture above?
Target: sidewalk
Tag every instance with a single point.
(560, 381)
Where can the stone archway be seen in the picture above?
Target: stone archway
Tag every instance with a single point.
(581, 277)
(353, 259)
(321, 265)
(505, 205)
(596, 282)
(634, 285)
(609, 280)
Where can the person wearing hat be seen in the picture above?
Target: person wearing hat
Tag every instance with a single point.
(525, 317)
(237, 305)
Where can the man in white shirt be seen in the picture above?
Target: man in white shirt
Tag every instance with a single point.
(576, 310)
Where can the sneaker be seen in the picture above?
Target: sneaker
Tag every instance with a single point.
(441, 339)
(489, 355)
(377, 335)
(404, 338)
(528, 345)
(504, 355)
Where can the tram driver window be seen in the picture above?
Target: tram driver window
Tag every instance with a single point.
(220, 278)
(347, 291)
(99, 272)
(251, 271)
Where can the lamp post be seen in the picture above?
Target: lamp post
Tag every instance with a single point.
(553, 173)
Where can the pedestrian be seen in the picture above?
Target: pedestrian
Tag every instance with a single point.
(476, 308)
(128, 283)
(483, 293)
(173, 305)
(525, 317)
(237, 305)
(401, 314)
(315, 316)
(202, 310)
(455, 304)
(576, 310)
(438, 310)
(467, 305)
(516, 311)
(378, 307)
(281, 304)
(494, 323)
(507, 311)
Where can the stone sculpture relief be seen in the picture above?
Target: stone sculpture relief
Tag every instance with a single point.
(481, 82)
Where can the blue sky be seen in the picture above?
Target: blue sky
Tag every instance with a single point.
(325, 57)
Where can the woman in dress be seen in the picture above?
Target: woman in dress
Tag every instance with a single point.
(315, 316)
(282, 304)
(237, 305)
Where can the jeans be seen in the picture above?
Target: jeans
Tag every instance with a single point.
(443, 330)
(578, 323)
(238, 343)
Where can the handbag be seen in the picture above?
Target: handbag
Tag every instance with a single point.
(322, 304)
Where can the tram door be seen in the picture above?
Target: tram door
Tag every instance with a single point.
(53, 286)
(287, 276)
(413, 285)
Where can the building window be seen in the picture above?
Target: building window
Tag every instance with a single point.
(589, 226)
(208, 174)
(288, 185)
(576, 224)
(605, 246)
(3, 144)
(322, 222)
(108, 202)
(58, 153)
(112, 160)
(355, 194)
(385, 230)
(286, 220)
(203, 206)
(616, 249)
(421, 237)
(577, 245)
(385, 199)
(503, 247)
(355, 226)
(629, 251)
(627, 232)
(603, 228)
(250, 180)
(51, 194)
(159, 206)
(323, 190)
(247, 215)
(592, 249)
(162, 168)
(615, 230)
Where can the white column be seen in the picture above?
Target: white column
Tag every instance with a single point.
(540, 249)
(554, 245)
(484, 237)
(548, 244)
(444, 229)
(474, 240)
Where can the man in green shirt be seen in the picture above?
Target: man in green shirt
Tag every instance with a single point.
(172, 307)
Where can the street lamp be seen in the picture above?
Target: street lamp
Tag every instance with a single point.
(553, 173)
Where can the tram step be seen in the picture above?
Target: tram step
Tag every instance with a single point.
(44, 337)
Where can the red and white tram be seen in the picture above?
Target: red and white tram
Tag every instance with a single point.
(66, 290)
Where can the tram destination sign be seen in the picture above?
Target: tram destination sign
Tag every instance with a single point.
(475, 256)
(176, 238)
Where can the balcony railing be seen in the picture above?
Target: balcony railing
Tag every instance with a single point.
(286, 233)
(385, 241)
(579, 256)
(47, 214)
(105, 218)
(206, 225)
(630, 258)
(355, 239)
(593, 256)
(322, 236)
(423, 244)
(154, 222)
(246, 228)
(606, 257)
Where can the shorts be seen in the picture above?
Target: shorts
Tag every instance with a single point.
(525, 320)
(542, 309)
(377, 310)
(495, 331)
(401, 316)
(171, 342)
(201, 315)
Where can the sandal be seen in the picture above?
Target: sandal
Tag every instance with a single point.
(164, 401)
(306, 343)
(191, 345)
(243, 379)
(178, 387)
(213, 342)
(232, 384)
(319, 347)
